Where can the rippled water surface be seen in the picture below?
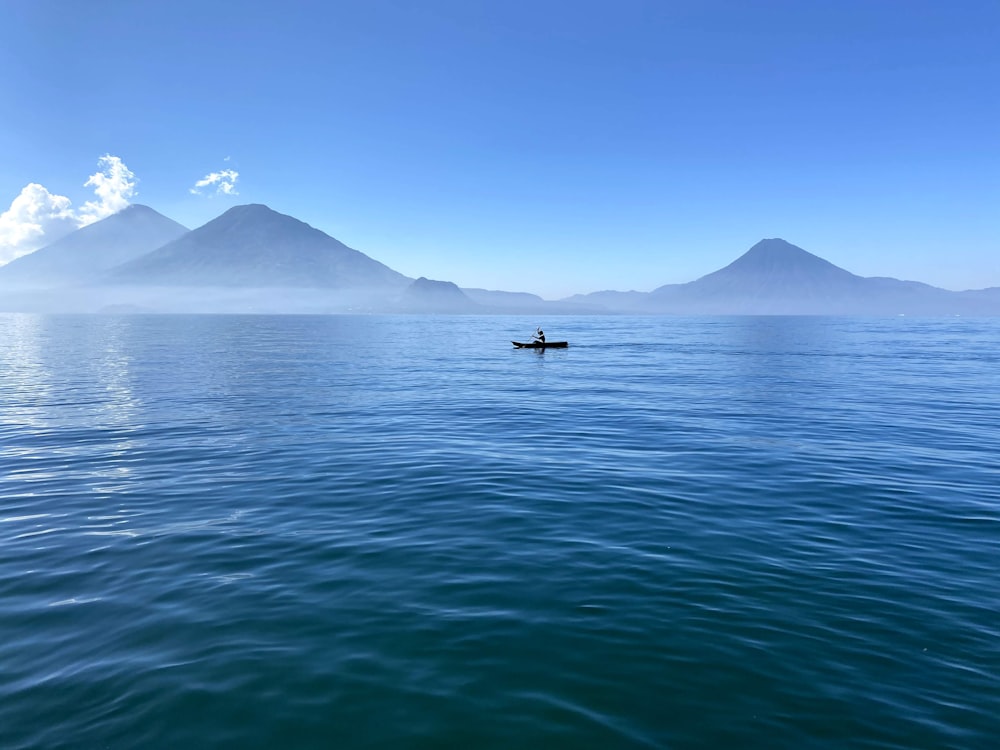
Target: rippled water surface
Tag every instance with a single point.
(263, 532)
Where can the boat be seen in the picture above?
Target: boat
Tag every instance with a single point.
(540, 345)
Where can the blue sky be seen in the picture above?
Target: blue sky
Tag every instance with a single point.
(549, 147)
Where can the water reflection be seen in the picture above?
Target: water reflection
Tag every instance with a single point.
(66, 381)
(25, 379)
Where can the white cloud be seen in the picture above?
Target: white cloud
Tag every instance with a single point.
(37, 217)
(224, 182)
(114, 186)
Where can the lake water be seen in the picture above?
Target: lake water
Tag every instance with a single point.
(340, 532)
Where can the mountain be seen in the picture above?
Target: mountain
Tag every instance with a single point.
(254, 246)
(775, 277)
(612, 301)
(429, 296)
(522, 303)
(89, 252)
(505, 300)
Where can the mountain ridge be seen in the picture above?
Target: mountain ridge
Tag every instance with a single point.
(775, 277)
(235, 258)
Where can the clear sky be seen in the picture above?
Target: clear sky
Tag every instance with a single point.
(528, 145)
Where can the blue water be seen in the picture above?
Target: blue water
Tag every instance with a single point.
(339, 532)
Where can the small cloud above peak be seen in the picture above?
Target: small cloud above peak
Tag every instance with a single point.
(114, 186)
(223, 182)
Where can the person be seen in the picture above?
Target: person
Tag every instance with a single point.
(539, 336)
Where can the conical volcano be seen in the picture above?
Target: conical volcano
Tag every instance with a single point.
(254, 246)
(87, 253)
(773, 276)
(774, 267)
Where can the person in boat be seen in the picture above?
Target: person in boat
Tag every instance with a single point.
(539, 336)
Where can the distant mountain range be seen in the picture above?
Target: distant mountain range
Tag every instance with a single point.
(254, 259)
(775, 277)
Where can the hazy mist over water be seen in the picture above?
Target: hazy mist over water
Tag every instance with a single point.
(372, 531)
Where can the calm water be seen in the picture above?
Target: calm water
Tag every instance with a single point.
(338, 532)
